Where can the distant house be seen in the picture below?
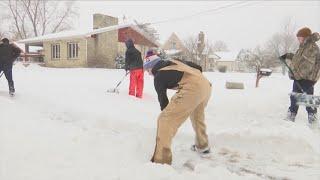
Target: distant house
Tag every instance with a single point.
(228, 60)
(95, 48)
(207, 60)
(174, 46)
(35, 53)
(211, 61)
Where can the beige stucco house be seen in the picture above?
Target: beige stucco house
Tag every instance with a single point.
(98, 47)
(174, 46)
(227, 59)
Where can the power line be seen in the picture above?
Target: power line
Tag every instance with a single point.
(241, 4)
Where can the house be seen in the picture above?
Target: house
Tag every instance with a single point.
(98, 47)
(228, 60)
(35, 53)
(211, 62)
(174, 46)
(207, 60)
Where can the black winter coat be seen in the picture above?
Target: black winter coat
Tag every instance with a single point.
(133, 57)
(167, 79)
(8, 54)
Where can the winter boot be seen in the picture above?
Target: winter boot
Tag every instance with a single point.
(291, 116)
(205, 152)
(312, 120)
(11, 91)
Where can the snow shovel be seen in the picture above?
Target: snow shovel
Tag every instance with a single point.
(303, 98)
(116, 90)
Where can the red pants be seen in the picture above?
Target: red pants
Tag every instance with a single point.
(136, 82)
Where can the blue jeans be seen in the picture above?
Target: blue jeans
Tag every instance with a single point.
(308, 88)
(7, 70)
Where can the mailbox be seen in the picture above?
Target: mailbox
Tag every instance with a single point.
(265, 72)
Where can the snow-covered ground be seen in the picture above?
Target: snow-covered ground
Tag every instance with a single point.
(63, 125)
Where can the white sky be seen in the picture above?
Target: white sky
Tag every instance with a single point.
(240, 27)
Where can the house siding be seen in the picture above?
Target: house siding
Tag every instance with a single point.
(63, 61)
(102, 50)
(173, 39)
(231, 65)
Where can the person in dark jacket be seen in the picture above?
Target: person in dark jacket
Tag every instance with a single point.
(8, 54)
(191, 98)
(134, 64)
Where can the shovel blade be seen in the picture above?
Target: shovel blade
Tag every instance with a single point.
(306, 99)
(113, 90)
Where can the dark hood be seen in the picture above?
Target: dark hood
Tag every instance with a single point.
(129, 43)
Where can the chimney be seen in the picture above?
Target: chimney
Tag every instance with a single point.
(101, 20)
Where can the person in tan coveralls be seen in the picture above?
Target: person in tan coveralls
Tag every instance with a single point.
(190, 100)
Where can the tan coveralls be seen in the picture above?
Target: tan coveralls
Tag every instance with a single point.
(193, 93)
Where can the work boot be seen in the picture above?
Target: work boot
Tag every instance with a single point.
(205, 152)
(312, 120)
(11, 91)
(291, 116)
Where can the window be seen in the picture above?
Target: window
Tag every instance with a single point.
(55, 51)
(73, 50)
(173, 45)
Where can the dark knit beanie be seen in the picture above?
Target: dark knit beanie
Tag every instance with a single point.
(149, 53)
(304, 32)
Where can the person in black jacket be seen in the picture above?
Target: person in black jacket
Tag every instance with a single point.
(134, 64)
(8, 54)
(190, 100)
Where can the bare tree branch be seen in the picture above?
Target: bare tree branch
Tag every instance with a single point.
(31, 18)
(13, 8)
(148, 29)
(220, 46)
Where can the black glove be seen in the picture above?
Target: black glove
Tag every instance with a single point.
(286, 56)
(291, 76)
(126, 68)
(283, 57)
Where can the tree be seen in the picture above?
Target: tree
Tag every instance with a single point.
(284, 41)
(198, 50)
(148, 29)
(267, 55)
(191, 48)
(257, 59)
(244, 59)
(2, 31)
(220, 46)
(30, 18)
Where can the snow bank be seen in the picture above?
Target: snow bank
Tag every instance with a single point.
(62, 124)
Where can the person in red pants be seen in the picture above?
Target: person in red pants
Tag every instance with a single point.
(134, 64)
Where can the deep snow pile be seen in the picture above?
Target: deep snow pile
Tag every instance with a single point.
(63, 125)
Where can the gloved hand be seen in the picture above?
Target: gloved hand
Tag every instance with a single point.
(286, 56)
(291, 76)
(283, 57)
(126, 68)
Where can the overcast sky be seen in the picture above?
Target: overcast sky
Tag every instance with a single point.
(242, 26)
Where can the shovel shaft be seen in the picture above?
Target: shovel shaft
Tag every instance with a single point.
(298, 84)
(121, 80)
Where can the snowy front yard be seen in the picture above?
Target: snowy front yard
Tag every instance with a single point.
(63, 125)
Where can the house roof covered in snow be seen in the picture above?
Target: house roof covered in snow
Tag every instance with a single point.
(83, 34)
(31, 48)
(227, 56)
